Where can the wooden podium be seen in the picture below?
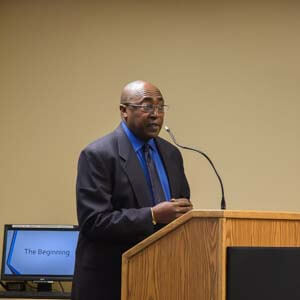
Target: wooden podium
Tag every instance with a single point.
(186, 260)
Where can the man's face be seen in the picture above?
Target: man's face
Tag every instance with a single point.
(145, 125)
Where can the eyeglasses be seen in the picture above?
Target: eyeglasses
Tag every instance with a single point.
(148, 108)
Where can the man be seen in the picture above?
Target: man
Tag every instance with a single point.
(130, 183)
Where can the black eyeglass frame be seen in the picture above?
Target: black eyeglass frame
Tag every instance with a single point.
(148, 108)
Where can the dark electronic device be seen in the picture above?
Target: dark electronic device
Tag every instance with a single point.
(262, 273)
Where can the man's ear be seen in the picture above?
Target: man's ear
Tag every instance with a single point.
(123, 112)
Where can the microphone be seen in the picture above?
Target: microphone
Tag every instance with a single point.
(223, 203)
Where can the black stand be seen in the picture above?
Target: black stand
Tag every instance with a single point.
(44, 286)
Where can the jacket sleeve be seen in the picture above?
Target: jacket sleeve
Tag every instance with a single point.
(97, 217)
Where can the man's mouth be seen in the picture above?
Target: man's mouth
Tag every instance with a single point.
(154, 126)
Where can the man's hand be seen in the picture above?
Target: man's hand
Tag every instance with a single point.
(167, 211)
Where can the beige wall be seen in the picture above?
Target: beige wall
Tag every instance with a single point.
(229, 70)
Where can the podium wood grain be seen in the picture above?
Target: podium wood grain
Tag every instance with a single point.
(187, 258)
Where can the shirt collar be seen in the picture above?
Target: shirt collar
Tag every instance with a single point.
(135, 141)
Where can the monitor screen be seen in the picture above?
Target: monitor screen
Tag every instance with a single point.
(39, 252)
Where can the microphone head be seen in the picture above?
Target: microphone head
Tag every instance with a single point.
(167, 128)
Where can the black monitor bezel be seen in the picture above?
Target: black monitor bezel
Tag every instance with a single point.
(31, 277)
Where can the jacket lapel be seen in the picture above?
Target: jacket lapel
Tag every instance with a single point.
(170, 167)
(133, 169)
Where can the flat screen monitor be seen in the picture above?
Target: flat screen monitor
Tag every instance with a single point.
(39, 252)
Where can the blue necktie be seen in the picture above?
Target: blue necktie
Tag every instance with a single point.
(157, 191)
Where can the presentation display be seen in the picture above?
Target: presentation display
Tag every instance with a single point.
(35, 252)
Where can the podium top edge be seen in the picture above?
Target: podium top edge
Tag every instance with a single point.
(246, 214)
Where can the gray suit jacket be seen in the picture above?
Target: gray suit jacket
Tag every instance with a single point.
(113, 208)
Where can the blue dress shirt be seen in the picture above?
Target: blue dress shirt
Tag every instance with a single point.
(137, 145)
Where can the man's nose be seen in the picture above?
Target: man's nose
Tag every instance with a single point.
(155, 110)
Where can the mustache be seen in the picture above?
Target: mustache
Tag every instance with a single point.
(154, 123)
